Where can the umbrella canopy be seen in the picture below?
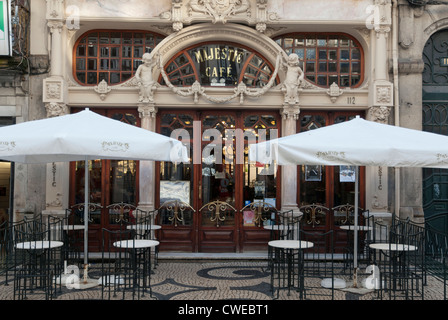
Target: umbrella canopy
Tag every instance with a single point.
(357, 142)
(82, 135)
(85, 136)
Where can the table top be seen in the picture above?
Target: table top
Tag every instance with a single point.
(280, 227)
(143, 227)
(39, 245)
(351, 227)
(291, 244)
(136, 244)
(393, 247)
(70, 227)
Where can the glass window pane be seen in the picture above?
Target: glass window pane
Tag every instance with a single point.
(356, 54)
(114, 64)
(114, 77)
(322, 80)
(333, 79)
(322, 67)
(92, 78)
(104, 37)
(115, 52)
(300, 53)
(310, 42)
(345, 81)
(126, 65)
(81, 51)
(115, 38)
(138, 52)
(91, 64)
(104, 64)
(332, 55)
(288, 42)
(345, 67)
(310, 67)
(81, 76)
(323, 54)
(92, 50)
(345, 55)
(80, 64)
(332, 67)
(127, 52)
(311, 54)
(355, 80)
(322, 42)
(356, 67)
(103, 76)
(104, 52)
(299, 42)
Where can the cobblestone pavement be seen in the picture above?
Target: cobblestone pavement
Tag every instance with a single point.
(219, 280)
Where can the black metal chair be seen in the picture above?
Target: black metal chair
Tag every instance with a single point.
(400, 250)
(318, 274)
(37, 261)
(285, 252)
(126, 265)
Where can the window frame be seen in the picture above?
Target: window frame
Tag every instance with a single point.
(280, 40)
(97, 58)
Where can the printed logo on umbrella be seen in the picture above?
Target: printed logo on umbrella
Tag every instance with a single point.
(331, 155)
(7, 145)
(115, 146)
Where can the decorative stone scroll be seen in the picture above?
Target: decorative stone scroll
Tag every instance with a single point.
(253, 12)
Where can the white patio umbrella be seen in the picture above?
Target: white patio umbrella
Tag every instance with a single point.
(85, 136)
(357, 142)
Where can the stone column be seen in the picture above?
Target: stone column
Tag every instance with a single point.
(380, 104)
(290, 115)
(147, 112)
(58, 173)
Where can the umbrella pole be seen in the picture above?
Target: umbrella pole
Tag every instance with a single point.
(355, 242)
(86, 208)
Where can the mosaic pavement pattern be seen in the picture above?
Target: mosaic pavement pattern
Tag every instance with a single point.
(217, 280)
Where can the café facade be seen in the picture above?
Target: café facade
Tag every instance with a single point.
(221, 75)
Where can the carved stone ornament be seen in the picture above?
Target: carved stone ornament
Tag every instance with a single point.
(102, 89)
(382, 93)
(53, 90)
(379, 114)
(253, 12)
(334, 92)
(56, 109)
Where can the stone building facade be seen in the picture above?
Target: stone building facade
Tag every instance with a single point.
(228, 61)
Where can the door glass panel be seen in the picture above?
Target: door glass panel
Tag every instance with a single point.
(95, 191)
(122, 185)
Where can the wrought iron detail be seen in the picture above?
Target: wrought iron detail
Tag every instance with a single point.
(92, 207)
(177, 208)
(123, 210)
(217, 210)
(260, 209)
(314, 214)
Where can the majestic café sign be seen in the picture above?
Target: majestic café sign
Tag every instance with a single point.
(218, 64)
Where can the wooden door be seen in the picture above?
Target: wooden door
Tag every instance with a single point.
(110, 182)
(327, 186)
(218, 183)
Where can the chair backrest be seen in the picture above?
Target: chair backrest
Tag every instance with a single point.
(314, 215)
(121, 213)
(219, 212)
(77, 212)
(175, 212)
(258, 213)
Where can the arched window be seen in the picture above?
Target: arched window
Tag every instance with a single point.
(327, 58)
(111, 55)
(220, 65)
